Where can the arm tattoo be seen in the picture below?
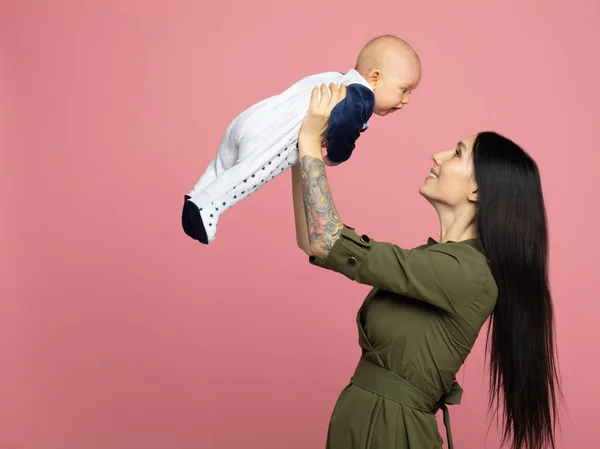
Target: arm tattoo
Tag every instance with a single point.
(323, 222)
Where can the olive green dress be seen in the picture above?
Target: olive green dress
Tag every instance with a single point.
(416, 327)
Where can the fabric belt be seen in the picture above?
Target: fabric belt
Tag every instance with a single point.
(389, 385)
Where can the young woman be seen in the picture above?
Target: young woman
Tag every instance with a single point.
(428, 304)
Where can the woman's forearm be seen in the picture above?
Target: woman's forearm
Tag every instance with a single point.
(323, 224)
(299, 214)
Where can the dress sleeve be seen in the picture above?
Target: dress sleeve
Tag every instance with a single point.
(448, 275)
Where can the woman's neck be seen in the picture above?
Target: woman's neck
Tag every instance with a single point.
(457, 224)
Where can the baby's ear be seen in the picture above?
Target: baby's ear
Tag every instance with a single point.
(374, 78)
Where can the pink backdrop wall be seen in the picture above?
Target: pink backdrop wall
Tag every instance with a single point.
(117, 331)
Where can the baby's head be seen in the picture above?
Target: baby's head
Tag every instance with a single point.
(392, 68)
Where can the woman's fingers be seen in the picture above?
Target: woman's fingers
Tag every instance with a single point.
(343, 91)
(334, 94)
(338, 93)
(329, 97)
(324, 98)
(314, 98)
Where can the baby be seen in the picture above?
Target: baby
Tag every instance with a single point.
(261, 142)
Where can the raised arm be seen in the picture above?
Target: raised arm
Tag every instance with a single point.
(321, 223)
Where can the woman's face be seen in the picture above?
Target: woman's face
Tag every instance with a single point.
(451, 182)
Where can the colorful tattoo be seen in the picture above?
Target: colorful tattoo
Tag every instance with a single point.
(323, 222)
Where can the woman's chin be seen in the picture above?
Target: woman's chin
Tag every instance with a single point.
(423, 191)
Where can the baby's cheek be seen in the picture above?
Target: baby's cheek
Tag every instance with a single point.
(384, 97)
(382, 101)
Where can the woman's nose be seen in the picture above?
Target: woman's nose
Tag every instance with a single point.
(442, 156)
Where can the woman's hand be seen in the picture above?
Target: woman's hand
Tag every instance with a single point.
(316, 122)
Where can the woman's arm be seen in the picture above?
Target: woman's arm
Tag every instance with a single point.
(323, 221)
(299, 215)
(322, 224)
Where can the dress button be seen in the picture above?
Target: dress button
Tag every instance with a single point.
(365, 238)
(352, 261)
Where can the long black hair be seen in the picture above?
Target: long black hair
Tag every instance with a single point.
(512, 231)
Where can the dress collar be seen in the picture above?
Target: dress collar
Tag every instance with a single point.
(470, 242)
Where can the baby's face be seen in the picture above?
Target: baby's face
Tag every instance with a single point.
(394, 86)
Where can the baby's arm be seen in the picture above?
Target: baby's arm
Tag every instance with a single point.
(347, 120)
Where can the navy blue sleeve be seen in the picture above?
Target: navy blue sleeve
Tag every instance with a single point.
(347, 120)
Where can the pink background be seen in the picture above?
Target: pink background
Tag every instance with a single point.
(118, 331)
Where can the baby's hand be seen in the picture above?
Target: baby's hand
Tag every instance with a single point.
(329, 162)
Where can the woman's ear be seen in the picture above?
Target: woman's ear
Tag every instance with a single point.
(473, 196)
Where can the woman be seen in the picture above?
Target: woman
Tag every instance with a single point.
(421, 320)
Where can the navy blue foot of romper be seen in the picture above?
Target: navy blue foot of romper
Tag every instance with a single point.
(192, 221)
